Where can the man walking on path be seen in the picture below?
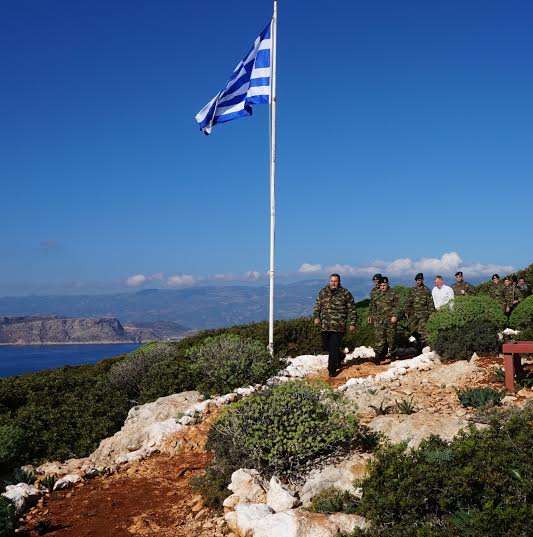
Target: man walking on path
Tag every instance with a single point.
(418, 307)
(462, 288)
(497, 291)
(375, 290)
(442, 294)
(334, 312)
(386, 313)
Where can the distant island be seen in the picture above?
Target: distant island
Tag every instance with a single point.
(50, 330)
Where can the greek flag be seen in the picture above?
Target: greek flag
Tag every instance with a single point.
(249, 84)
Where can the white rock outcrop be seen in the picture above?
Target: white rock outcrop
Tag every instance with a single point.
(23, 496)
(247, 486)
(67, 481)
(279, 498)
(144, 428)
(416, 427)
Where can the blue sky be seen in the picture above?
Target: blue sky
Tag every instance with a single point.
(405, 133)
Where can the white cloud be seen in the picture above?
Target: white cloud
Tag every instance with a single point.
(136, 281)
(252, 275)
(179, 280)
(309, 267)
(448, 263)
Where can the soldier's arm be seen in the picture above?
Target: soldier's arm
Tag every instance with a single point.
(317, 307)
(352, 311)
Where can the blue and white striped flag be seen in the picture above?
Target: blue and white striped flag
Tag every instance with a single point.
(249, 84)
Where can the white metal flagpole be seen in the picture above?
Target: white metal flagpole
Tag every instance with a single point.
(272, 177)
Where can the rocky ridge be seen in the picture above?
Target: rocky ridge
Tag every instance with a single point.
(256, 508)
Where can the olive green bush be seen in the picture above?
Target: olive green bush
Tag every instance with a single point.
(522, 316)
(11, 439)
(8, 518)
(479, 484)
(285, 427)
(127, 375)
(226, 362)
(460, 342)
(334, 500)
(465, 309)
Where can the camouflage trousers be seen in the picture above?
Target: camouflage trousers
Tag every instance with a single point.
(385, 338)
(417, 326)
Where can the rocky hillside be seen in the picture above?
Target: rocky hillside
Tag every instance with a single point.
(52, 329)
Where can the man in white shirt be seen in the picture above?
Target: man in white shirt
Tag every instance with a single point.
(442, 294)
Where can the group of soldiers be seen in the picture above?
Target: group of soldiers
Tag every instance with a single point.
(335, 312)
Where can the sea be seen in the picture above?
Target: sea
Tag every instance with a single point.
(19, 359)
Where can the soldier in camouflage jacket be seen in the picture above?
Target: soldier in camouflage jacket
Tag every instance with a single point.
(334, 312)
(375, 290)
(497, 291)
(512, 296)
(418, 307)
(462, 288)
(386, 312)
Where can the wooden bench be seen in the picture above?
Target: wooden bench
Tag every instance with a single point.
(512, 361)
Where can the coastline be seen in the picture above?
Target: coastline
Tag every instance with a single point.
(35, 343)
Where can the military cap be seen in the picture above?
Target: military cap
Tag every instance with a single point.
(419, 276)
(507, 278)
(459, 273)
(495, 276)
(376, 277)
(384, 279)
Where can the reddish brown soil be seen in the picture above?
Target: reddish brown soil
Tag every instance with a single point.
(151, 498)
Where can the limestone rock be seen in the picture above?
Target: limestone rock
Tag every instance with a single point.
(245, 518)
(454, 374)
(248, 486)
(340, 475)
(67, 481)
(415, 427)
(23, 496)
(145, 427)
(279, 498)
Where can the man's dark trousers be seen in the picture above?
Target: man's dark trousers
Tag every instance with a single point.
(332, 342)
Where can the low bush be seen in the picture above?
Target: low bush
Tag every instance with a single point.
(11, 440)
(479, 397)
(286, 427)
(460, 342)
(127, 375)
(522, 316)
(525, 335)
(480, 483)
(226, 362)
(466, 309)
(334, 500)
(8, 518)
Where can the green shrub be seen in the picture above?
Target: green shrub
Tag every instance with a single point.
(11, 440)
(522, 316)
(465, 309)
(334, 500)
(479, 484)
(8, 518)
(286, 427)
(479, 397)
(167, 377)
(226, 362)
(128, 374)
(213, 485)
(525, 335)
(460, 342)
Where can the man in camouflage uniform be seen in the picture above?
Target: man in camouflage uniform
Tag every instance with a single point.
(524, 287)
(334, 311)
(385, 313)
(496, 291)
(375, 290)
(512, 296)
(462, 288)
(418, 307)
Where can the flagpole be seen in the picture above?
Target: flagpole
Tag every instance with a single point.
(272, 178)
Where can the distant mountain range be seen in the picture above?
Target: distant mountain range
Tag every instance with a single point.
(194, 307)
